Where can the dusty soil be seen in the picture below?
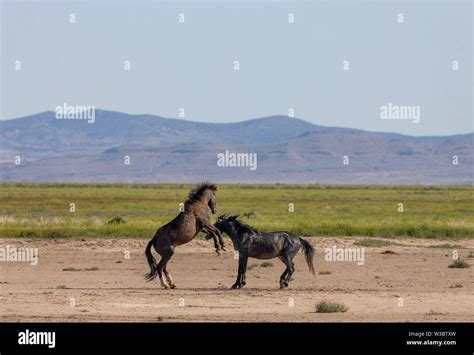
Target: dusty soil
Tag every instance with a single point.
(416, 272)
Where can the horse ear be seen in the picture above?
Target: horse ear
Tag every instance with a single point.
(233, 218)
(222, 216)
(213, 187)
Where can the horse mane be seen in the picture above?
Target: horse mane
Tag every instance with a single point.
(196, 193)
(241, 226)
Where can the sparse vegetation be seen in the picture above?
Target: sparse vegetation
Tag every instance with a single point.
(376, 243)
(252, 266)
(71, 269)
(455, 285)
(325, 273)
(94, 268)
(160, 318)
(41, 210)
(27, 234)
(55, 234)
(434, 313)
(446, 246)
(264, 264)
(249, 214)
(116, 220)
(330, 307)
(459, 264)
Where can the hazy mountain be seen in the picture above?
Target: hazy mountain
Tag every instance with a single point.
(43, 133)
(172, 150)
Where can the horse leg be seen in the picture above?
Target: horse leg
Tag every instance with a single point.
(213, 235)
(291, 270)
(221, 241)
(285, 277)
(167, 274)
(169, 278)
(217, 233)
(240, 282)
(282, 277)
(165, 257)
(244, 270)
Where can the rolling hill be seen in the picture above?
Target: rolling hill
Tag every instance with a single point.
(289, 150)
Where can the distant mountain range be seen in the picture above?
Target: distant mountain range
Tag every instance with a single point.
(288, 150)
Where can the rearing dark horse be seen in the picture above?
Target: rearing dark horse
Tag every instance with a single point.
(183, 229)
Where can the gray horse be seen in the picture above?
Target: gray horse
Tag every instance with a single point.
(249, 242)
(183, 229)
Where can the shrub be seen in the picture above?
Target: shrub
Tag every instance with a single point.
(249, 214)
(55, 234)
(116, 220)
(459, 264)
(27, 234)
(252, 266)
(330, 307)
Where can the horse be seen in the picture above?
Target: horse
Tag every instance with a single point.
(249, 242)
(194, 219)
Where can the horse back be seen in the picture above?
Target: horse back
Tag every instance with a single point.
(181, 229)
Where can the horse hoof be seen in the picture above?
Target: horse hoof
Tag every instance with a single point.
(172, 286)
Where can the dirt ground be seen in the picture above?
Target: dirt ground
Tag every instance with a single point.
(416, 274)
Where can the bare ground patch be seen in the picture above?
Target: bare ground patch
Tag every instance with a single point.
(417, 272)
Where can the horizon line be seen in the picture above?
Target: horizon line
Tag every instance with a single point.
(242, 121)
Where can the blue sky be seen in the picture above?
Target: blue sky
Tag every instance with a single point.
(282, 65)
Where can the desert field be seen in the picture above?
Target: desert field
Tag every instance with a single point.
(102, 280)
(91, 239)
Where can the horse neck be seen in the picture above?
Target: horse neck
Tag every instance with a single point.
(232, 232)
(204, 198)
(197, 207)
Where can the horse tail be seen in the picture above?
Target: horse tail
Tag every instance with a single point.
(309, 252)
(151, 262)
